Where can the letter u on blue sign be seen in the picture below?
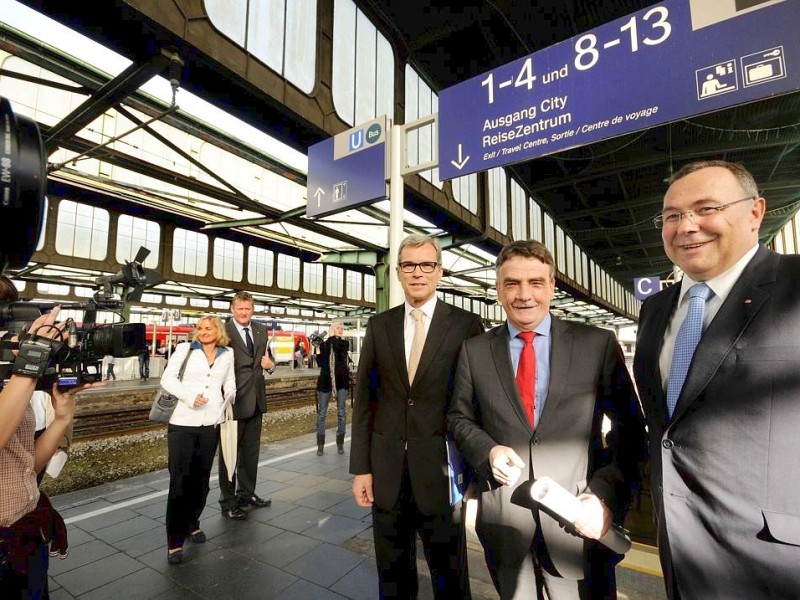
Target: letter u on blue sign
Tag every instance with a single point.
(356, 140)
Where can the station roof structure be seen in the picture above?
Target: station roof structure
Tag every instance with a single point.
(602, 195)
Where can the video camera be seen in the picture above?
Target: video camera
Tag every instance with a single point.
(317, 338)
(77, 357)
(74, 359)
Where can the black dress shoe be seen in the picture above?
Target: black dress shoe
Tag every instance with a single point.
(255, 501)
(198, 537)
(235, 513)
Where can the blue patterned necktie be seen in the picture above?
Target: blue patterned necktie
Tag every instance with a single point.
(686, 342)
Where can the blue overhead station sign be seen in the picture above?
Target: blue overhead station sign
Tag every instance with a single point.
(347, 170)
(667, 62)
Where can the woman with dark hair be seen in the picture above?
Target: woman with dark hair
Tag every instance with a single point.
(207, 386)
(334, 375)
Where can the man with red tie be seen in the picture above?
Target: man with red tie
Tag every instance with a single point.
(528, 402)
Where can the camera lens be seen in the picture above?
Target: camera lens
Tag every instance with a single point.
(22, 184)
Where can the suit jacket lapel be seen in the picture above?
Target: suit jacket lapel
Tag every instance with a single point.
(505, 372)
(659, 316)
(560, 352)
(743, 303)
(234, 338)
(395, 336)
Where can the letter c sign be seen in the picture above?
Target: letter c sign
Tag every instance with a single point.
(646, 286)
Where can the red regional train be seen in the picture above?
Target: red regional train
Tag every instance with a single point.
(283, 343)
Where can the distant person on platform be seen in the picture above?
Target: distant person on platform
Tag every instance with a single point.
(718, 368)
(299, 356)
(398, 455)
(110, 368)
(252, 358)
(334, 375)
(144, 363)
(207, 387)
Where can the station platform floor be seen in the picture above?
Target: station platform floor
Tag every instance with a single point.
(313, 542)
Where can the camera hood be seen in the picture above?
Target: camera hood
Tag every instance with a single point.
(23, 177)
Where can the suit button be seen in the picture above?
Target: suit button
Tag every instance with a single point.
(536, 441)
(411, 402)
(667, 444)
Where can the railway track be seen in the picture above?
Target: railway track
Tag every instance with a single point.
(93, 423)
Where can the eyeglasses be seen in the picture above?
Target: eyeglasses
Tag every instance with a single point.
(425, 267)
(673, 219)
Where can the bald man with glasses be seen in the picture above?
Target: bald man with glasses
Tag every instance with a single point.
(718, 370)
(398, 456)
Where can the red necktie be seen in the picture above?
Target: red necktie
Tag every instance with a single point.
(526, 375)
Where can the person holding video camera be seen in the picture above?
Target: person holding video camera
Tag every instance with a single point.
(30, 529)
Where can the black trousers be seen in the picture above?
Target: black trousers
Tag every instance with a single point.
(443, 541)
(191, 454)
(144, 366)
(243, 484)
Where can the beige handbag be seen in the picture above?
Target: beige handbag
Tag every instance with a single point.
(228, 441)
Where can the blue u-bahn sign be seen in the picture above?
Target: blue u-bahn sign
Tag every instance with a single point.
(672, 60)
(347, 170)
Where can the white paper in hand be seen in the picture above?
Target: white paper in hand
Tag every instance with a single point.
(555, 498)
(56, 464)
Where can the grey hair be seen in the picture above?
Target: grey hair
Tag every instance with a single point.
(416, 240)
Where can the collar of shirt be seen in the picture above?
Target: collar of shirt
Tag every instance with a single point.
(722, 284)
(542, 329)
(427, 309)
(198, 346)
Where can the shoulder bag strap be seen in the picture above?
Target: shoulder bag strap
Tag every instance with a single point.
(183, 364)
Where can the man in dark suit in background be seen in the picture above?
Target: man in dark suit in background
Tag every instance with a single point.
(724, 416)
(251, 357)
(398, 454)
(519, 413)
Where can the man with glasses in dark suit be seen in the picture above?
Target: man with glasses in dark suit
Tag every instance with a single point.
(718, 368)
(398, 456)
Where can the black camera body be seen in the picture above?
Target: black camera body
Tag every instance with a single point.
(71, 361)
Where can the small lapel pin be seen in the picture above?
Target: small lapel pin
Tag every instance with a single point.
(747, 301)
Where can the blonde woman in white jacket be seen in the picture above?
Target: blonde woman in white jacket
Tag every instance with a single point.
(207, 386)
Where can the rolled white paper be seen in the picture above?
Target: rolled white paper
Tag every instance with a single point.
(555, 498)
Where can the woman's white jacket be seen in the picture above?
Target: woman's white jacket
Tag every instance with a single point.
(217, 382)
